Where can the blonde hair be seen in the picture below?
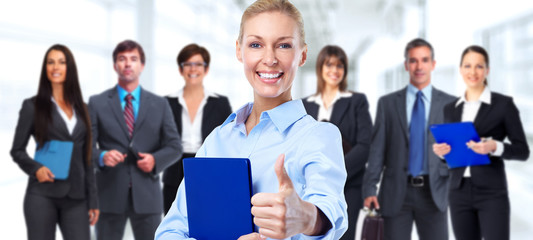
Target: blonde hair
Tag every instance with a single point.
(282, 6)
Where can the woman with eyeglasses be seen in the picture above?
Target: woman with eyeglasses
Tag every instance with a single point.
(349, 112)
(196, 112)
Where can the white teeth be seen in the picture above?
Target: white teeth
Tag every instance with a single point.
(193, 75)
(269, 75)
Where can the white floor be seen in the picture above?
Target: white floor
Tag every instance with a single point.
(13, 184)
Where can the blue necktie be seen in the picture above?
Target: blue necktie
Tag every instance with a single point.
(417, 136)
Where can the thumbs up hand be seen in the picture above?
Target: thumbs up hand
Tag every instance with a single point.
(283, 214)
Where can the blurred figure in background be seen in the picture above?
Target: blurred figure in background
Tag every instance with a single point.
(414, 181)
(479, 199)
(196, 112)
(57, 112)
(349, 112)
(135, 139)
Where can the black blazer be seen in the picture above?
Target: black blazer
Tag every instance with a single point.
(498, 120)
(352, 117)
(80, 183)
(216, 110)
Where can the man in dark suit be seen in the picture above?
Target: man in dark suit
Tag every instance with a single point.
(414, 186)
(134, 139)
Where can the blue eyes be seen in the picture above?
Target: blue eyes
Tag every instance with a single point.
(282, 46)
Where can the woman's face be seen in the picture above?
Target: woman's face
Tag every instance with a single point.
(332, 71)
(194, 70)
(56, 67)
(474, 70)
(271, 53)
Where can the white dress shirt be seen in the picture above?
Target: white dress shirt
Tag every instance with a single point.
(191, 132)
(71, 123)
(470, 110)
(324, 113)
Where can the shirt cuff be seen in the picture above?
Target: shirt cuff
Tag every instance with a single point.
(101, 159)
(499, 149)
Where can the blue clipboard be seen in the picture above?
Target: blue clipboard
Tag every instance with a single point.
(56, 156)
(457, 135)
(218, 193)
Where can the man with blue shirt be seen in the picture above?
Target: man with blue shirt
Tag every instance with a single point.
(414, 181)
(134, 139)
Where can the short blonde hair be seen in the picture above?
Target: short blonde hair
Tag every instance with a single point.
(283, 6)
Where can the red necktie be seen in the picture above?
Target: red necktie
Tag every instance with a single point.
(128, 114)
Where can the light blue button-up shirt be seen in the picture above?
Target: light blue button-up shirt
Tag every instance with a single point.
(135, 101)
(313, 159)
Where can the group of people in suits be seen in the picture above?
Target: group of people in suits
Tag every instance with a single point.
(127, 136)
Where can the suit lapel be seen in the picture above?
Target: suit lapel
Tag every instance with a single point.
(58, 121)
(114, 103)
(339, 109)
(144, 105)
(400, 108)
(484, 109)
(206, 120)
(458, 112)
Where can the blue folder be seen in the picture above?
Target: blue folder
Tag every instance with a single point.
(218, 193)
(457, 135)
(56, 156)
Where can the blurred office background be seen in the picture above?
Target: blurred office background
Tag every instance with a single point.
(372, 32)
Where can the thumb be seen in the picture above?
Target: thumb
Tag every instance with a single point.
(283, 178)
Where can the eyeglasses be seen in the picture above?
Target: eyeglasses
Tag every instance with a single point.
(193, 64)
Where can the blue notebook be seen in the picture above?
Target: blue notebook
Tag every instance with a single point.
(218, 193)
(56, 156)
(457, 135)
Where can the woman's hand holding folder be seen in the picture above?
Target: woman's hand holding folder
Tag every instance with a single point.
(44, 174)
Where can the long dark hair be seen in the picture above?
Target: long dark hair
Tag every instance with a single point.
(325, 54)
(71, 94)
(476, 49)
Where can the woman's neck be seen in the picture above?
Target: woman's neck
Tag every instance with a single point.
(262, 104)
(473, 94)
(57, 92)
(193, 91)
(328, 94)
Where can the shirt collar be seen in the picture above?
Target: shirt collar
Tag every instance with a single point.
(317, 98)
(426, 92)
(484, 97)
(136, 93)
(282, 116)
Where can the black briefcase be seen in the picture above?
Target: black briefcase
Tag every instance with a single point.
(372, 226)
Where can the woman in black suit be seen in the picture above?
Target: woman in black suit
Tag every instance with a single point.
(349, 112)
(57, 112)
(479, 201)
(196, 112)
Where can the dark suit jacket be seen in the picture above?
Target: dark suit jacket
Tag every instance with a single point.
(389, 153)
(498, 120)
(154, 132)
(80, 183)
(216, 110)
(352, 117)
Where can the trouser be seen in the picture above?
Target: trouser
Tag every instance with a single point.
(479, 213)
(418, 207)
(110, 226)
(43, 213)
